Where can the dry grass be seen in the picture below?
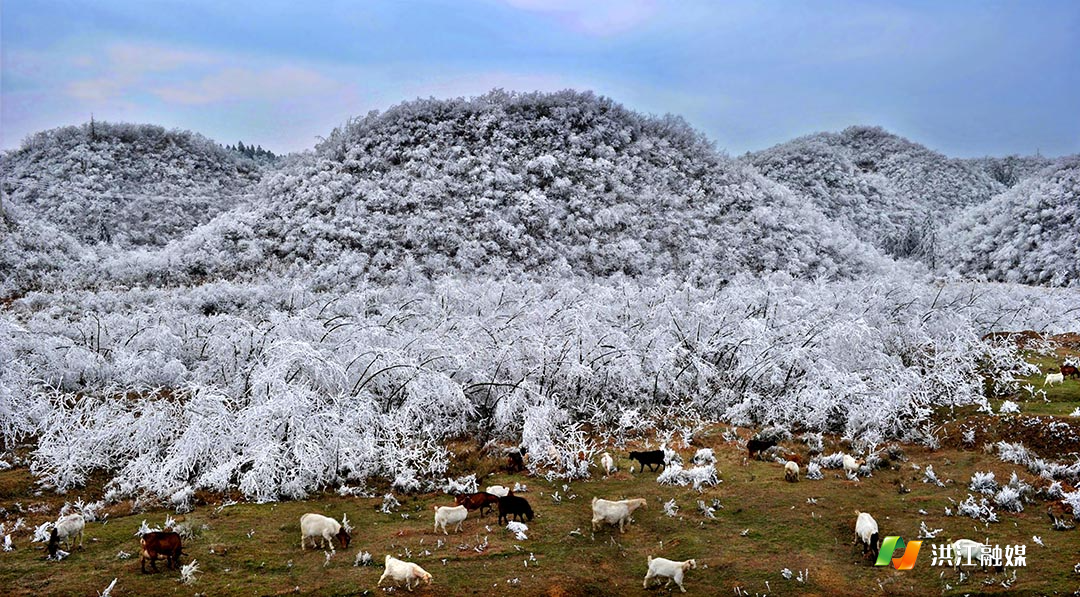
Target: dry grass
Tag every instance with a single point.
(256, 546)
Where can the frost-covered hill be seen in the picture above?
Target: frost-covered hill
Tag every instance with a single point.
(122, 184)
(1029, 234)
(562, 183)
(888, 190)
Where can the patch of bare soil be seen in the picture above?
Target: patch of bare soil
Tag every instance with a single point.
(1049, 437)
(1069, 340)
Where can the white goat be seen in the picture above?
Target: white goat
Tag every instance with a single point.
(608, 463)
(498, 490)
(450, 515)
(612, 512)
(970, 553)
(866, 531)
(851, 466)
(317, 526)
(1054, 378)
(669, 569)
(68, 527)
(791, 471)
(407, 572)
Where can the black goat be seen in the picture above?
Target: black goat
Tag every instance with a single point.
(652, 458)
(515, 506)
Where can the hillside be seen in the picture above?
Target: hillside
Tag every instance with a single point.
(1029, 234)
(122, 184)
(889, 191)
(503, 183)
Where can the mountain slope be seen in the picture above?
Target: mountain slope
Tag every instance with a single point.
(1029, 234)
(503, 183)
(123, 184)
(889, 191)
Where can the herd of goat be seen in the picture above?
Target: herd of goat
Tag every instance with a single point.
(321, 532)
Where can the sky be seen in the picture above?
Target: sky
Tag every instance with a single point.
(966, 78)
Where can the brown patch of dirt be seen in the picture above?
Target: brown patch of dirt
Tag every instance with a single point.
(1048, 436)
(1068, 340)
(1020, 338)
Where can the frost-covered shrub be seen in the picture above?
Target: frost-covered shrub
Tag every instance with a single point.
(1055, 491)
(704, 456)
(671, 509)
(518, 529)
(1008, 498)
(698, 476)
(1055, 470)
(1015, 453)
(983, 483)
(815, 442)
(929, 476)
(1072, 499)
(832, 461)
(288, 390)
(968, 437)
(466, 484)
(389, 504)
(980, 510)
(926, 533)
(813, 471)
(1009, 407)
(671, 457)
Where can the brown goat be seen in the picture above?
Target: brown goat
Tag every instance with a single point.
(160, 544)
(477, 501)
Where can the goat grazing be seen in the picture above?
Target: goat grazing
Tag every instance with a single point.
(851, 466)
(1054, 378)
(445, 515)
(482, 501)
(1069, 371)
(866, 532)
(791, 471)
(514, 506)
(608, 463)
(611, 512)
(317, 526)
(401, 571)
(68, 527)
(971, 553)
(158, 544)
(669, 569)
(755, 446)
(652, 458)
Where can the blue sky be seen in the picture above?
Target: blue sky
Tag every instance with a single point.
(964, 78)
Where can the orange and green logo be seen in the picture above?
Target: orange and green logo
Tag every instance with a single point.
(890, 545)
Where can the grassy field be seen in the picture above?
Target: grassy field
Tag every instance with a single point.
(762, 525)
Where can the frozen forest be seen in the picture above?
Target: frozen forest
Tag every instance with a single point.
(515, 267)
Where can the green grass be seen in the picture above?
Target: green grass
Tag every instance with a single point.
(1061, 399)
(782, 531)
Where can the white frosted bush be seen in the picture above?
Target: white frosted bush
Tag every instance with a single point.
(983, 483)
(698, 476)
(1009, 407)
(704, 456)
(980, 510)
(1008, 498)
